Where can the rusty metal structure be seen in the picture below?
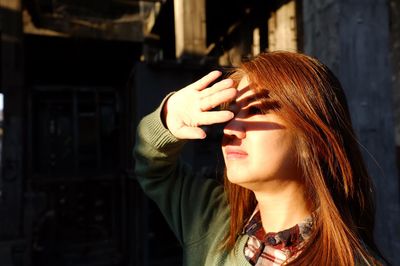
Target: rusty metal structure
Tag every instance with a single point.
(76, 77)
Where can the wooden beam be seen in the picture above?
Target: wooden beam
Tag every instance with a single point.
(282, 34)
(190, 28)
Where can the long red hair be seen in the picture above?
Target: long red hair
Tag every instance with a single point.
(312, 101)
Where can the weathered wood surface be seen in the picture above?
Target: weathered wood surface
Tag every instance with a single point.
(395, 56)
(352, 38)
(190, 27)
(282, 27)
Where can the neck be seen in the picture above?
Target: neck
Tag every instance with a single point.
(283, 207)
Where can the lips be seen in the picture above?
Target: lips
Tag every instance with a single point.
(232, 153)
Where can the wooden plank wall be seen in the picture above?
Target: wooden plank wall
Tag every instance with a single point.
(352, 38)
(395, 56)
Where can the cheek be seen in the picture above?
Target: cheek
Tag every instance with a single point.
(276, 150)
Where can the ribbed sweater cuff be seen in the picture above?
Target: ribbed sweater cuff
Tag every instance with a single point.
(155, 132)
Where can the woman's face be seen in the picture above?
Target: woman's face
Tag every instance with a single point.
(257, 145)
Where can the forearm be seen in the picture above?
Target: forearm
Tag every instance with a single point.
(156, 149)
(187, 203)
(156, 156)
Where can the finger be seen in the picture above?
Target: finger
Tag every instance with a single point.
(191, 133)
(221, 85)
(214, 117)
(217, 98)
(203, 83)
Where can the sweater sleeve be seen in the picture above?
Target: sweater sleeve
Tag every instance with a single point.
(189, 204)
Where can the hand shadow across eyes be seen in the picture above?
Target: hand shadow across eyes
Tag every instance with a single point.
(259, 126)
(265, 103)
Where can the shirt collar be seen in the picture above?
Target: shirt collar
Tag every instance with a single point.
(285, 238)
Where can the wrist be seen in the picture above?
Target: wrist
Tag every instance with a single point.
(164, 110)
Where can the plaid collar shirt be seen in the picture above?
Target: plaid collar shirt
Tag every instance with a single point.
(272, 249)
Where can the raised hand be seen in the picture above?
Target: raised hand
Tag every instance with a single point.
(190, 107)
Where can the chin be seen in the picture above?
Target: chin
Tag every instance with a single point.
(239, 180)
(234, 179)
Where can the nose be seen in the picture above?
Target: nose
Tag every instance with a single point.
(235, 128)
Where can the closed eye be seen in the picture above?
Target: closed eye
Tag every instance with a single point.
(254, 110)
(232, 106)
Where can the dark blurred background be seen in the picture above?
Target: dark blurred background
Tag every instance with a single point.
(76, 77)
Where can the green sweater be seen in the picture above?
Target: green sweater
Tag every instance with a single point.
(195, 208)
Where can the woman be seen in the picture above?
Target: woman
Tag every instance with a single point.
(296, 189)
